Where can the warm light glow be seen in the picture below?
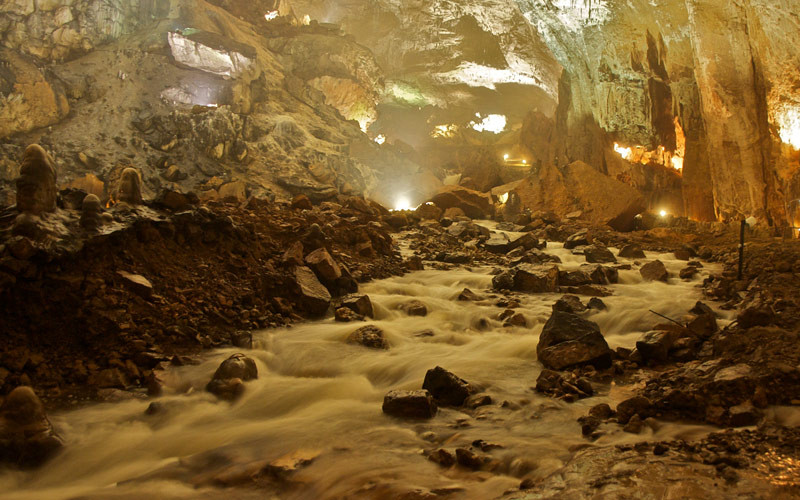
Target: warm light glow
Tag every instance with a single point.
(789, 124)
(505, 157)
(444, 131)
(491, 123)
(524, 162)
(269, 16)
(663, 213)
(677, 163)
(626, 153)
(503, 198)
(402, 203)
(380, 139)
(306, 20)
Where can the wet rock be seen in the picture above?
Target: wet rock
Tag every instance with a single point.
(570, 304)
(473, 204)
(655, 345)
(634, 425)
(409, 404)
(756, 315)
(228, 381)
(578, 239)
(360, 304)
(428, 211)
(478, 400)
(596, 304)
(414, 308)
(637, 405)
(535, 279)
(554, 384)
(345, 315)
(137, 283)
(743, 414)
(602, 411)
(688, 273)
(598, 255)
(36, 185)
(301, 202)
(314, 297)
(632, 251)
(468, 295)
(368, 336)
(567, 340)
(446, 388)
(129, 189)
(654, 271)
(414, 263)
(601, 275)
(574, 278)
(469, 459)
(517, 319)
(527, 242)
(27, 438)
(323, 265)
(442, 457)
(497, 243)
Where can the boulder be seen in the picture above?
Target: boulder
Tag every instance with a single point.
(596, 304)
(574, 278)
(409, 404)
(632, 251)
(472, 203)
(637, 405)
(570, 304)
(314, 297)
(27, 438)
(497, 243)
(579, 186)
(360, 304)
(36, 185)
(655, 345)
(428, 211)
(535, 279)
(345, 315)
(468, 295)
(129, 189)
(527, 241)
(323, 265)
(368, 336)
(578, 239)
(414, 308)
(567, 340)
(600, 275)
(446, 388)
(654, 271)
(597, 254)
(293, 256)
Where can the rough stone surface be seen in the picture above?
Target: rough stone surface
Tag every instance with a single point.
(654, 271)
(446, 388)
(36, 185)
(27, 437)
(368, 336)
(568, 340)
(409, 404)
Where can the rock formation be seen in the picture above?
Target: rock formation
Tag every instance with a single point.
(129, 190)
(27, 437)
(36, 185)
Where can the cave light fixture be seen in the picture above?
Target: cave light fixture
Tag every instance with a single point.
(506, 157)
(271, 16)
(503, 198)
(380, 139)
(402, 203)
(490, 123)
(662, 213)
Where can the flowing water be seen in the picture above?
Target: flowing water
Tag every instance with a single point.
(318, 394)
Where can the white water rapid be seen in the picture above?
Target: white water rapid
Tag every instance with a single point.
(316, 393)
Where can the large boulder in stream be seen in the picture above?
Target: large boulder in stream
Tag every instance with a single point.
(409, 404)
(228, 381)
(567, 341)
(447, 388)
(27, 438)
(474, 204)
(654, 271)
(528, 278)
(314, 297)
(368, 336)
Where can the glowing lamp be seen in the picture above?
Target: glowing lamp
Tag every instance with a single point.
(402, 204)
(663, 213)
(503, 198)
(505, 157)
(524, 162)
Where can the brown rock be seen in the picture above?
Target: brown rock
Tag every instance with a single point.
(314, 297)
(36, 185)
(302, 202)
(654, 271)
(293, 256)
(27, 437)
(447, 388)
(137, 283)
(321, 262)
(368, 336)
(129, 189)
(474, 204)
(414, 308)
(91, 213)
(409, 404)
(568, 340)
(228, 381)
